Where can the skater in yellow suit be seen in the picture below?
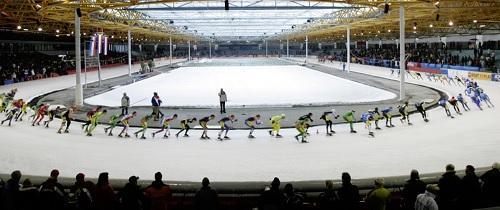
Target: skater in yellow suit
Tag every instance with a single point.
(301, 126)
(276, 125)
(144, 127)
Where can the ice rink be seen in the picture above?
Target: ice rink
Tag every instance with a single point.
(244, 86)
(472, 138)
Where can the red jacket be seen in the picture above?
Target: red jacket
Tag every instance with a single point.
(158, 194)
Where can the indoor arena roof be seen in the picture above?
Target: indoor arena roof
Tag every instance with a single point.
(154, 20)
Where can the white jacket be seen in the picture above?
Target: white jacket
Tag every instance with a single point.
(425, 201)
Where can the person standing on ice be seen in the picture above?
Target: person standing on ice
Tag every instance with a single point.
(226, 123)
(251, 122)
(203, 123)
(276, 125)
(125, 122)
(125, 104)
(156, 103)
(165, 126)
(350, 118)
(222, 99)
(328, 118)
(185, 126)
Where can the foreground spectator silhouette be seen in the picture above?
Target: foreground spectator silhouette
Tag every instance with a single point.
(29, 196)
(348, 194)
(293, 200)
(206, 198)
(132, 196)
(413, 187)
(491, 186)
(378, 198)
(272, 199)
(52, 195)
(105, 198)
(84, 193)
(470, 195)
(10, 194)
(158, 194)
(328, 198)
(449, 189)
(425, 201)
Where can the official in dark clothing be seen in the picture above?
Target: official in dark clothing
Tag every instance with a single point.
(449, 189)
(206, 198)
(412, 188)
(348, 194)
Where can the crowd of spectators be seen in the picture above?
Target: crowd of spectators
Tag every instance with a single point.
(422, 54)
(450, 193)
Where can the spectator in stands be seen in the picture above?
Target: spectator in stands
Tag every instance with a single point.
(491, 186)
(378, 198)
(52, 194)
(293, 200)
(412, 188)
(206, 198)
(471, 189)
(449, 189)
(348, 194)
(158, 194)
(132, 196)
(328, 199)
(426, 201)
(105, 198)
(272, 198)
(125, 104)
(10, 195)
(29, 196)
(84, 193)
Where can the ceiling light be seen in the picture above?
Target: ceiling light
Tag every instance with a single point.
(25, 29)
(57, 31)
(414, 27)
(482, 26)
(474, 21)
(389, 30)
(40, 29)
(430, 26)
(450, 23)
(436, 3)
(19, 27)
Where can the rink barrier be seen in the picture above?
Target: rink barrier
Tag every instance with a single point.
(253, 188)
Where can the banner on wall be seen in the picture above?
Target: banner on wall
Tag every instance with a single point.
(480, 76)
(458, 73)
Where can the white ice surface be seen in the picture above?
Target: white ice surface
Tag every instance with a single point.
(244, 86)
(473, 138)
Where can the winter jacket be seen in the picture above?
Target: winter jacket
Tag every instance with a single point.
(491, 187)
(471, 192)
(449, 190)
(84, 195)
(158, 195)
(327, 199)
(206, 199)
(425, 201)
(412, 188)
(222, 96)
(349, 197)
(29, 198)
(155, 101)
(271, 199)
(377, 199)
(52, 195)
(132, 197)
(125, 101)
(105, 198)
(10, 195)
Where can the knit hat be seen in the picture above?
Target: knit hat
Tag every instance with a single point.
(450, 168)
(133, 178)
